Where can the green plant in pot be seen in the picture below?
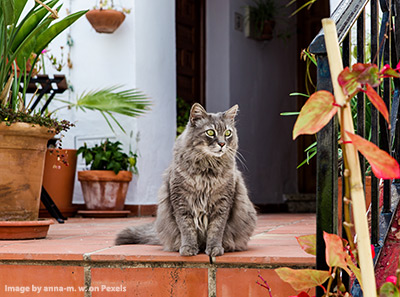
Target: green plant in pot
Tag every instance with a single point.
(23, 132)
(107, 102)
(105, 185)
(260, 18)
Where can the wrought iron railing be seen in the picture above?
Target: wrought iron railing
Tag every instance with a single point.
(383, 46)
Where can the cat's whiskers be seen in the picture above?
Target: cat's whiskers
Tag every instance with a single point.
(242, 160)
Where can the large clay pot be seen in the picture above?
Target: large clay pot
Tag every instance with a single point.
(59, 179)
(103, 189)
(105, 20)
(22, 151)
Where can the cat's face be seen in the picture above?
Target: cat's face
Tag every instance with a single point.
(213, 134)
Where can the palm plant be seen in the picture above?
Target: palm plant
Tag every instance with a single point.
(109, 101)
(23, 36)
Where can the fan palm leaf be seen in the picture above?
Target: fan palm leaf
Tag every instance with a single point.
(109, 101)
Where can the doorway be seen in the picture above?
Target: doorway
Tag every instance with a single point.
(190, 50)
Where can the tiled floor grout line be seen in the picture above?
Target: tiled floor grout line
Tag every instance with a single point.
(280, 226)
(212, 281)
(88, 280)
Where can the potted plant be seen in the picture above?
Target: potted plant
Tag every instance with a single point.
(61, 163)
(23, 132)
(104, 18)
(260, 19)
(105, 185)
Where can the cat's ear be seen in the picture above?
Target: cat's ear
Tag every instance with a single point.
(231, 113)
(197, 112)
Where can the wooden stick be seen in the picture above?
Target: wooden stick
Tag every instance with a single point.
(356, 186)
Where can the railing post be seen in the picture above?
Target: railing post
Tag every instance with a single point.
(327, 165)
(360, 96)
(374, 128)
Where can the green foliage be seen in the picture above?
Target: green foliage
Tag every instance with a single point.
(389, 290)
(263, 10)
(341, 254)
(10, 116)
(20, 37)
(108, 156)
(108, 101)
(182, 114)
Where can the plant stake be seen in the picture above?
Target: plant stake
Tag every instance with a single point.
(351, 154)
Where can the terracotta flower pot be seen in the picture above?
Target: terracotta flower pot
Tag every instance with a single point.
(22, 151)
(24, 229)
(103, 189)
(59, 179)
(105, 20)
(267, 32)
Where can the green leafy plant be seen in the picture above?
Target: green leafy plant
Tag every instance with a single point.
(307, 5)
(21, 36)
(259, 12)
(182, 114)
(263, 10)
(108, 155)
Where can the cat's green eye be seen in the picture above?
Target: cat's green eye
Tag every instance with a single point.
(210, 132)
(228, 133)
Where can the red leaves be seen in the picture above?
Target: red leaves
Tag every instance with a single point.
(320, 107)
(366, 77)
(308, 243)
(352, 80)
(335, 253)
(372, 251)
(382, 164)
(301, 294)
(387, 71)
(377, 101)
(315, 114)
(302, 279)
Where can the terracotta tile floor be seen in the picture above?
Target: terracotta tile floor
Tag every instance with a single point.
(81, 253)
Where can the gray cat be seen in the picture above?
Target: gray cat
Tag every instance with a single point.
(203, 201)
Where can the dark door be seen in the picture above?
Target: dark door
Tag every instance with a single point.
(190, 47)
(309, 24)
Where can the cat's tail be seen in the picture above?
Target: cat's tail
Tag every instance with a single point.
(144, 234)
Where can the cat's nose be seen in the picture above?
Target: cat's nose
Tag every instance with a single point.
(221, 144)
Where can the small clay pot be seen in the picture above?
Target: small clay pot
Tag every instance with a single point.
(105, 20)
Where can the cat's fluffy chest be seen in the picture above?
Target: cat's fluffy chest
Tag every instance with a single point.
(204, 195)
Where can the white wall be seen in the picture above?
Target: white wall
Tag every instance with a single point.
(259, 77)
(217, 55)
(140, 54)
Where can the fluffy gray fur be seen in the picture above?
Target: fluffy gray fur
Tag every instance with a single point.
(203, 201)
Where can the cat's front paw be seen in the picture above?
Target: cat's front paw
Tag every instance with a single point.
(214, 251)
(188, 250)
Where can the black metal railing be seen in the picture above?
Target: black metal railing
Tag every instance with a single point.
(383, 46)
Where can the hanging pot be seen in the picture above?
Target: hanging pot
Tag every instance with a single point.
(105, 20)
